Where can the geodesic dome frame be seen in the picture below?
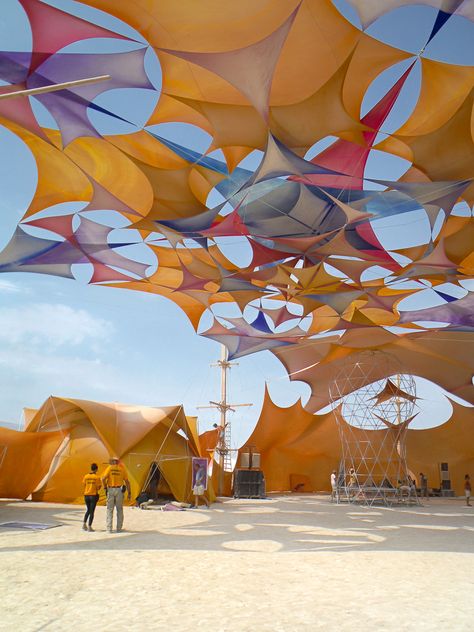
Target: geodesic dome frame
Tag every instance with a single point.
(373, 416)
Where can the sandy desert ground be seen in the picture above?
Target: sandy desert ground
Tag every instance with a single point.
(287, 563)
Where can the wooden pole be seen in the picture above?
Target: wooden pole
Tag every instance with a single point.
(53, 87)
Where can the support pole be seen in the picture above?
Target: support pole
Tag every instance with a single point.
(224, 364)
(31, 92)
(222, 447)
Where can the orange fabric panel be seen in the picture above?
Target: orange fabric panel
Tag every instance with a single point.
(64, 481)
(25, 458)
(112, 169)
(59, 179)
(208, 441)
(444, 88)
(449, 443)
(445, 358)
(447, 153)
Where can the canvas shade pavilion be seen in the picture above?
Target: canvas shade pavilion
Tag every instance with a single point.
(92, 432)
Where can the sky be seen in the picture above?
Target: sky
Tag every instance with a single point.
(66, 338)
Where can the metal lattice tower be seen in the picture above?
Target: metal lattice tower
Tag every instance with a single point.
(373, 415)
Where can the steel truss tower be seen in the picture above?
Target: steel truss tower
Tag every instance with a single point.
(374, 402)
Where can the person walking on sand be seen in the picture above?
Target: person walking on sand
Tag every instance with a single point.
(114, 479)
(92, 485)
(467, 489)
(423, 486)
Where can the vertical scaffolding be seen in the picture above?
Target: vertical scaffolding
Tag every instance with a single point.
(373, 415)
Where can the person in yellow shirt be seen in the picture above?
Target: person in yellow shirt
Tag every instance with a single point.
(92, 485)
(114, 479)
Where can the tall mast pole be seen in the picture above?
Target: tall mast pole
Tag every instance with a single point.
(225, 365)
(223, 447)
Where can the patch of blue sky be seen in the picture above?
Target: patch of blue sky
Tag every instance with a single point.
(410, 229)
(237, 250)
(15, 31)
(424, 299)
(374, 272)
(190, 140)
(409, 28)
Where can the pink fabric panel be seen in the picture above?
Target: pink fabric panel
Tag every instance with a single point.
(53, 29)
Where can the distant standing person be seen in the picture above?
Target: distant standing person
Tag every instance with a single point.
(199, 481)
(92, 485)
(114, 479)
(333, 485)
(423, 486)
(467, 489)
(352, 478)
(353, 483)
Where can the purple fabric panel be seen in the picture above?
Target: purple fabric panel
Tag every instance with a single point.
(251, 345)
(126, 71)
(69, 107)
(71, 117)
(25, 253)
(261, 324)
(457, 313)
(92, 239)
(14, 66)
(23, 248)
(279, 316)
(243, 339)
(230, 342)
(243, 328)
(63, 252)
(56, 269)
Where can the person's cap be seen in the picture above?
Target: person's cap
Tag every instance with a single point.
(114, 458)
